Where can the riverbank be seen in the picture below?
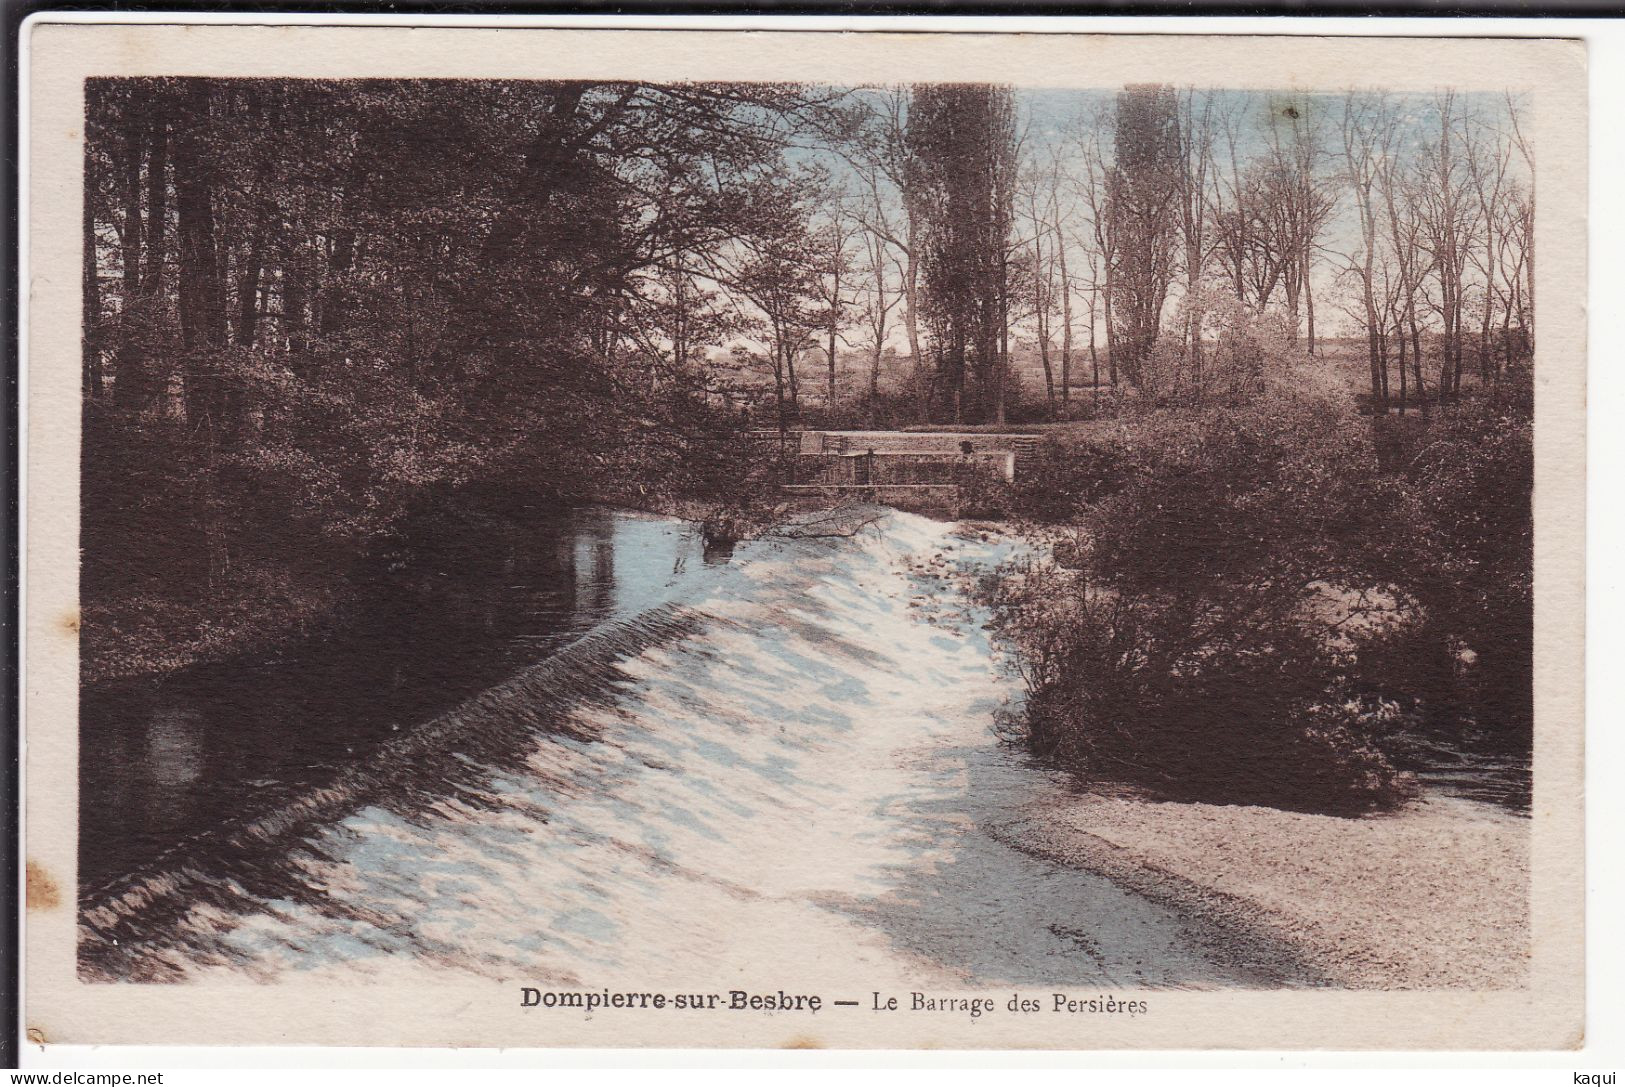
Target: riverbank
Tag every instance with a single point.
(1432, 897)
(263, 607)
(135, 634)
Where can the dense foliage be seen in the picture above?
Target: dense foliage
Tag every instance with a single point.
(1243, 604)
(309, 302)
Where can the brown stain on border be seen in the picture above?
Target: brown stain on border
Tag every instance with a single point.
(801, 1041)
(41, 889)
(70, 622)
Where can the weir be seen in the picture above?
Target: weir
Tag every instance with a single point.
(903, 468)
(640, 806)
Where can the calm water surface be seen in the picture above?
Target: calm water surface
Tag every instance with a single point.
(455, 610)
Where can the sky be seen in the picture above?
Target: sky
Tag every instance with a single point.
(1056, 121)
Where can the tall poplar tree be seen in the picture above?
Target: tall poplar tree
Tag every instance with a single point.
(1143, 191)
(962, 164)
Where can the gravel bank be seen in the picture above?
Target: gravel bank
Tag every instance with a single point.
(1433, 897)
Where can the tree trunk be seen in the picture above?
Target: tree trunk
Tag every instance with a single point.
(157, 198)
(874, 381)
(778, 383)
(201, 299)
(1309, 303)
(829, 395)
(248, 282)
(131, 235)
(1094, 358)
(140, 387)
(1529, 273)
(1111, 337)
(90, 320)
(1404, 379)
(1039, 308)
(294, 286)
(1416, 361)
(1001, 376)
(335, 291)
(1066, 320)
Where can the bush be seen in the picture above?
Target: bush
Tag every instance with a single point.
(1126, 688)
(1247, 604)
(1062, 480)
(1466, 554)
(983, 494)
(1183, 651)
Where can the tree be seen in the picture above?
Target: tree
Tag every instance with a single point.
(672, 317)
(1098, 242)
(1043, 248)
(777, 270)
(1399, 188)
(837, 266)
(1487, 164)
(1365, 117)
(880, 154)
(1449, 221)
(962, 152)
(1196, 161)
(1526, 221)
(1144, 184)
(309, 302)
(884, 274)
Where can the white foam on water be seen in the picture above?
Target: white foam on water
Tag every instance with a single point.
(804, 781)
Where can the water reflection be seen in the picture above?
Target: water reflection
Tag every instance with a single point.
(174, 756)
(460, 603)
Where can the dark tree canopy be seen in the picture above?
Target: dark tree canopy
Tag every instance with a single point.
(309, 301)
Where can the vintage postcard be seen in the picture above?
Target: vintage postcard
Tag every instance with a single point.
(593, 537)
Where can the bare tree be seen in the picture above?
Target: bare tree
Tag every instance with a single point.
(884, 278)
(880, 154)
(1526, 222)
(1400, 187)
(1449, 222)
(1232, 222)
(834, 241)
(1488, 158)
(1037, 204)
(1059, 216)
(1365, 118)
(1098, 242)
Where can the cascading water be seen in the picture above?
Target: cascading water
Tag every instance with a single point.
(788, 762)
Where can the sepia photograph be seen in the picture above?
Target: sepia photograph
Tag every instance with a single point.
(771, 550)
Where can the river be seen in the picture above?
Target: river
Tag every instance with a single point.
(789, 751)
(697, 770)
(458, 608)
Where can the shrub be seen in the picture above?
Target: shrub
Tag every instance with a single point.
(1063, 479)
(1183, 652)
(1126, 688)
(1465, 551)
(982, 494)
